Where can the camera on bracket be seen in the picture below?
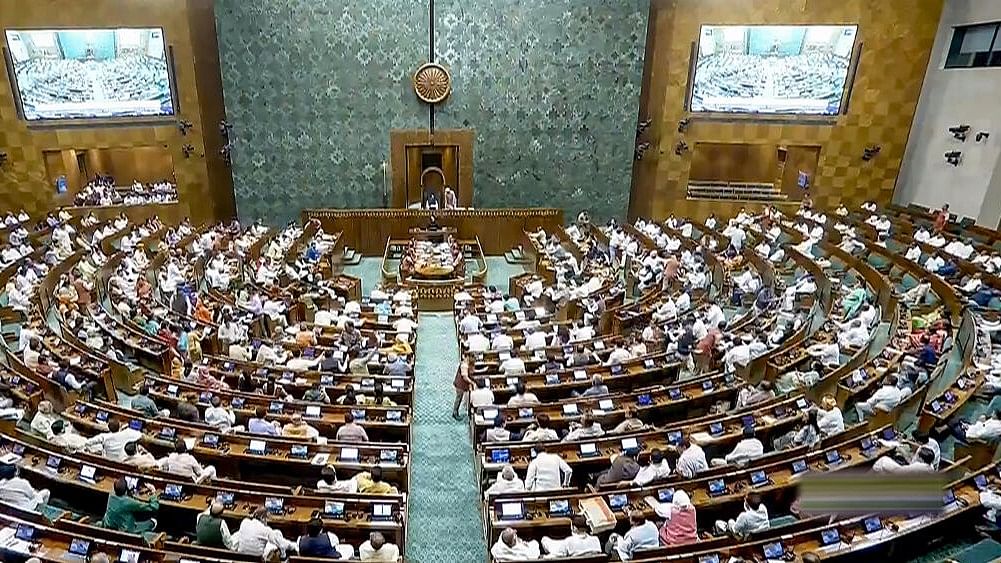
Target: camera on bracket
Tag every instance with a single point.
(960, 131)
(871, 151)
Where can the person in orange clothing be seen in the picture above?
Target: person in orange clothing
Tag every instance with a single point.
(202, 313)
(305, 338)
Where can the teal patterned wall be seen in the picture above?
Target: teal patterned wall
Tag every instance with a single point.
(552, 88)
(312, 88)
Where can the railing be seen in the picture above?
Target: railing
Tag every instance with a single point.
(735, 191)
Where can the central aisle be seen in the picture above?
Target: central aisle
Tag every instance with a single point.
(444, 505)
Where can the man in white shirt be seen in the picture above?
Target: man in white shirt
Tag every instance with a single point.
(748, 448)
(921, 464)
(754, 518)
(111, 444)
(18, 492)
(482, 395)
(509, 547)
(470, 323)
(853, 334)
(219, 416)
(180, 462)
(513, 366)
(477, 343)
(547, 471)
(655, 470)
(642, 534)
(692, 460)
(829, 354)
(583, 332)
(618, 355)
(540, 430)
(934, 263)
(521, 397)
(257, 538)
(405, 324)
(26, 336)
(885, 399)
(502, 341)
(714, 315)
(580, 541)
(376, 548)
(535, 339)
(985, 429)
(507, 482)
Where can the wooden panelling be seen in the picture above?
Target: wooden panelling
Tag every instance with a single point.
(734, 162)
(204, 194)
(799, 158)
(896, 37)
(367, 230)
(400, 164)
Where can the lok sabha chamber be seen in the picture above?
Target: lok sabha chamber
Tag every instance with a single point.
(290, 287)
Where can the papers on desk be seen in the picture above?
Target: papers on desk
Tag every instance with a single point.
(9, 542)
(320, 459)
(701, 437)
(10, 459)
(190, 443)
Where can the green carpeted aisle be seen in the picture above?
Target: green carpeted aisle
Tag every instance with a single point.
(444, 505)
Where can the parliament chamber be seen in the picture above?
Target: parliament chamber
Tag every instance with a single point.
(428, 282)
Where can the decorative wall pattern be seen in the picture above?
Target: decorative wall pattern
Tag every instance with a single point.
(552, 88)
(313, 88)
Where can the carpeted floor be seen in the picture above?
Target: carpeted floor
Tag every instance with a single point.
(445, 522)
(369, 270)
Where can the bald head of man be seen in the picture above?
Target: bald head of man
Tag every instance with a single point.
(217, 508)
(377, 540)
(509, 537)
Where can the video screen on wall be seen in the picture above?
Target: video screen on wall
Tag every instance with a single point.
(769, 69)
(90, 73)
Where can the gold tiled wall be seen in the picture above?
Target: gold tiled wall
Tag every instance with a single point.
(23, 179)
(897, 37)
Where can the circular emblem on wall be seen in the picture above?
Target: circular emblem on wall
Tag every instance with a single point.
(432, 83)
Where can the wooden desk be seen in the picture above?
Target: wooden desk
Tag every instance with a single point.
(367, 230)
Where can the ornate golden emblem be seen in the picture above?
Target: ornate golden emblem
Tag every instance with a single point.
(432, 83)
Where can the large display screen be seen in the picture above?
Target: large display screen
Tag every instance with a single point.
(90, 73)
(772, 69)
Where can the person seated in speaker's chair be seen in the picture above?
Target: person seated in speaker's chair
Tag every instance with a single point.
(430, 200)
